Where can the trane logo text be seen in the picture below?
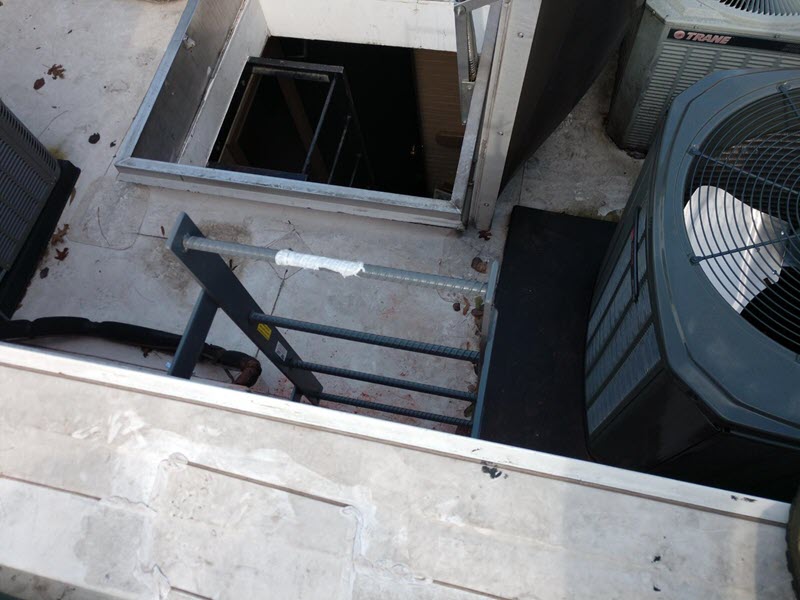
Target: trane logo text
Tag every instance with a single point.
(697, 36)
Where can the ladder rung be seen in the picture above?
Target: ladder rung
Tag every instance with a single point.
(367, 338)
(396, 410)
(404, 384)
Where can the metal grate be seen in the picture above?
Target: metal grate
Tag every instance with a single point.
(27, 175)
(621, 349)
(742, 213)
(681, 65)
(766, 7)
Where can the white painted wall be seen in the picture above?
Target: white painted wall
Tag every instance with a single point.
(406, 23)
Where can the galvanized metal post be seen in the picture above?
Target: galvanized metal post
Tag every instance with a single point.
(377, 272)
(467, 50)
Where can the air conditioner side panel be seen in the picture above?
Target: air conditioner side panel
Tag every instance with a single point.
(659, 422)
(733, 461)
(622, 349)
(637, 63)
(660, 67)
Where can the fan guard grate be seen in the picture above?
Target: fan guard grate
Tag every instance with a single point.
(742, 213)
(782, 8)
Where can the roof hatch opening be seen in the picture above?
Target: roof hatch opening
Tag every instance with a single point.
(354, 115)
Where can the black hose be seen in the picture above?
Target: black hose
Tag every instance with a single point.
(151, 339)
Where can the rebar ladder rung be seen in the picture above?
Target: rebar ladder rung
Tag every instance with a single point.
(403, 384)
(368, 338)
(396, 410)
(377, 272)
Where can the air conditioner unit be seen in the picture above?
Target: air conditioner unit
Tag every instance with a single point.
(678, 42)
(34, 187)
(692, 367)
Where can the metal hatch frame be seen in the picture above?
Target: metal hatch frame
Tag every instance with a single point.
(495, 98)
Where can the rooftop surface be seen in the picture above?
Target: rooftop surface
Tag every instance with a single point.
(115, 484)
(118, 267)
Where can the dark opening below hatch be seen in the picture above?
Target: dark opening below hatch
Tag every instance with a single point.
(391, 122)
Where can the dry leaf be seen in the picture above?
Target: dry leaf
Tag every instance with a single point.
(59, 235)
(480, 265)
(62, 254)
(56, 72)
(466, 307)
(485, 234)
(38, 84)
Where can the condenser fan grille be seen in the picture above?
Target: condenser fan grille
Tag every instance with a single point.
(766, 7)
(742, 213)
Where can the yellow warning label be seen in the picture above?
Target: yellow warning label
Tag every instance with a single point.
(264, 330)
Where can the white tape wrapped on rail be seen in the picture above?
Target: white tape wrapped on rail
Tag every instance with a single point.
(345, 268)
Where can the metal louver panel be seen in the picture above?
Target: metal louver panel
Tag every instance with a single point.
(680, 66)
(622, 349)
(766, 7)
(28, 173)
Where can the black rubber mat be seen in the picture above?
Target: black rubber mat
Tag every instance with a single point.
(534, 390)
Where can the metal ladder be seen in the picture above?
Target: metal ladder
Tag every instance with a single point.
(222, 290)
(338, 113)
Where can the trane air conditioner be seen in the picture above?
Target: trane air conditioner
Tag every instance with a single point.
(692, 366)
(678, 42)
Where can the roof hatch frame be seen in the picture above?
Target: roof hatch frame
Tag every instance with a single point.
(494, 94)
